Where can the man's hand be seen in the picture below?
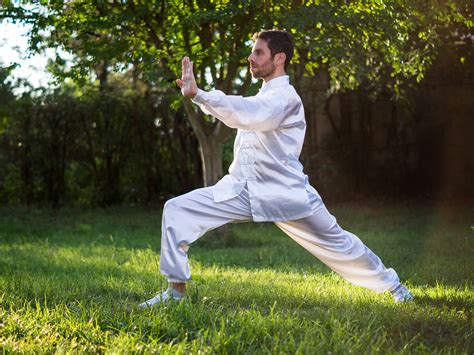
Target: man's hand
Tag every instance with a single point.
(187, 83)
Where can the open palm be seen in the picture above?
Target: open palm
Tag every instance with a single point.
(187, 83)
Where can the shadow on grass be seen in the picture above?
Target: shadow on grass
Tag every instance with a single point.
(122, 227)
(244, 245)
(407, 245)
(445, 301)
(30, 276)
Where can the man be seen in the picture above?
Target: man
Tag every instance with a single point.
(265, 181)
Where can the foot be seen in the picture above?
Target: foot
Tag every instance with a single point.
(169, 295)
(401, 294)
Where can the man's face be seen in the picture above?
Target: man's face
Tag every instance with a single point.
(261, 61)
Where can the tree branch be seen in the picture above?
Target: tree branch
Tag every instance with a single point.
(222, 132)
(196, 120)
(246, 83)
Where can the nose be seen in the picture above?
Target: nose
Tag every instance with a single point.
(250, 57)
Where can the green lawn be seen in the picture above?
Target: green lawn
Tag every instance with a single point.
(68, 278)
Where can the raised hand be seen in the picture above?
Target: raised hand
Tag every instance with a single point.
(187, 83)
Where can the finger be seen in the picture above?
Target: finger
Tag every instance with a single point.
(183, 67)
(186, 68)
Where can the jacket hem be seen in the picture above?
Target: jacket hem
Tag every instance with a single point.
(284, 219)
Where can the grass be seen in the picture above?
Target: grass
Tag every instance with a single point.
(68, 277)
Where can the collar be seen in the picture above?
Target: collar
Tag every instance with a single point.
(283, 80)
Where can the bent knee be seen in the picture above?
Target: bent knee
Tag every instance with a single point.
(171, 205)
(174, 211)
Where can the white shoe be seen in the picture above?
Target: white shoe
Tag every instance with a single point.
(170, 294)
(401, 294)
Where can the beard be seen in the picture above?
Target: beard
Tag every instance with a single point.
(262, 71)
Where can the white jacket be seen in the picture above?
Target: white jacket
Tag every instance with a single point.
(270, 133)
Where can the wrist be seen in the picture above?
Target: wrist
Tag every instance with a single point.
(199, 97)
(192, 94)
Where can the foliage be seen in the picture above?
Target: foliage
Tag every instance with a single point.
(67, 278)
(376, 44)
(94, 147)
(107, 126)
(152, 36)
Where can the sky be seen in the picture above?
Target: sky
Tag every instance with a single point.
(13, 48)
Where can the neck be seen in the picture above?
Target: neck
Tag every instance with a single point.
(274, 75)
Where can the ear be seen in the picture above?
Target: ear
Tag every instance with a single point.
(280, 59)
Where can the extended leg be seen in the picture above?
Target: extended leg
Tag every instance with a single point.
(342, 251)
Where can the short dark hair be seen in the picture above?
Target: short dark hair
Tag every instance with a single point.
(278, 41)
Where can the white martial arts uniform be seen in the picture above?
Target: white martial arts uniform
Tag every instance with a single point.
(266, 183)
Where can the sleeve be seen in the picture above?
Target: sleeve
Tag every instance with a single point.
(254, 113)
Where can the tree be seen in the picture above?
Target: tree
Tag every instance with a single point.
(153, 37)
(11, 182)
(375, 45)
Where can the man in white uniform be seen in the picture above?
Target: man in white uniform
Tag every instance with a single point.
(265, 181)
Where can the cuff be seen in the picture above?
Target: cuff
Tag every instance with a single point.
(200, 97)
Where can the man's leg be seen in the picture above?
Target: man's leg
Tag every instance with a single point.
(342, 251)
(185, 219)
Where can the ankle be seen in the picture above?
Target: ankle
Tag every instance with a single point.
(396, 287)
(178, 286)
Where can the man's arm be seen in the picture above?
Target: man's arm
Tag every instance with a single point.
(257, 113)
(253, 113)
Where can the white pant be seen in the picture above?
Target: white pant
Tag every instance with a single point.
(188, 217)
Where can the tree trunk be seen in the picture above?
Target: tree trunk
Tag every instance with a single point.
(211, 137)
(211, 157)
